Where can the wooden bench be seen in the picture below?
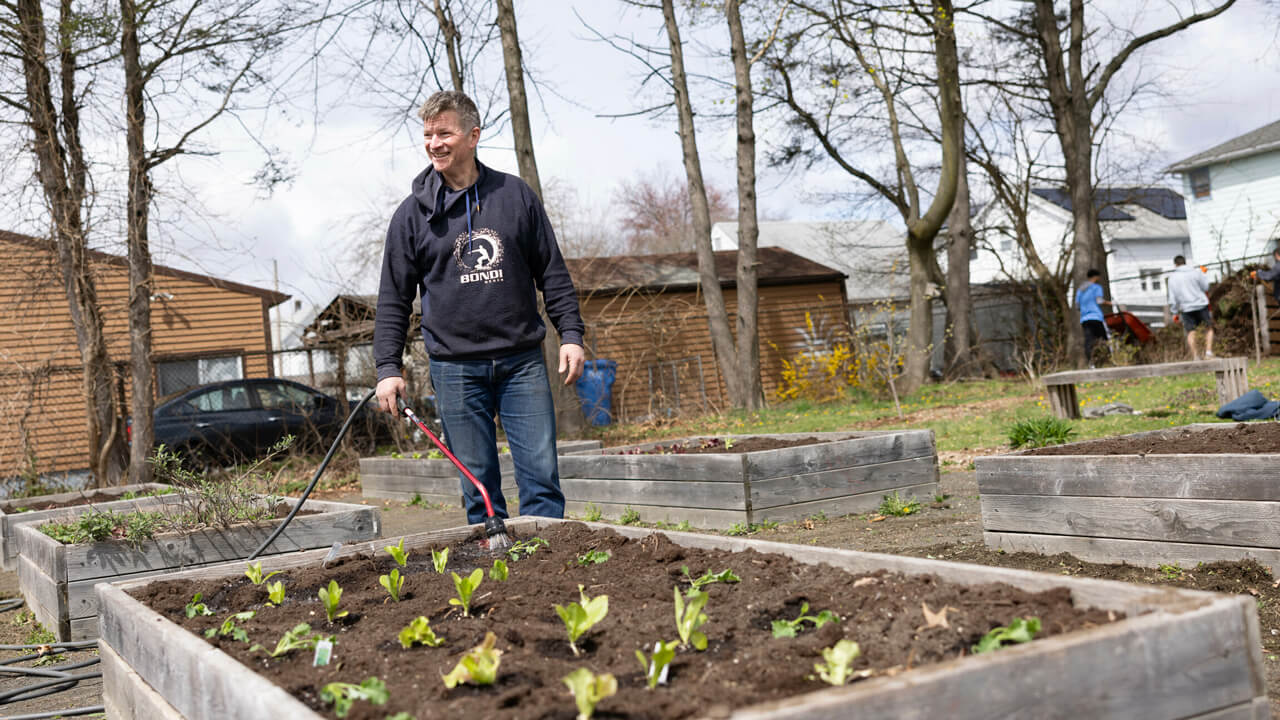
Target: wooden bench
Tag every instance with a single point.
(1231, 373)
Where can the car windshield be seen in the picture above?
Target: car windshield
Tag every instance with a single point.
(279, 395)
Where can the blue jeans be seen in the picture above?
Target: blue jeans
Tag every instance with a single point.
(468, 395)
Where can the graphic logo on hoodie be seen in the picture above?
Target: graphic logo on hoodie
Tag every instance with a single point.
(480, 257)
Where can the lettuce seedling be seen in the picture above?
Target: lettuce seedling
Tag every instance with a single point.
(195, 607)
(275, 592)
(789, 628)
(593, 557)
(724, 576)
(478, 666)
(690, 617)
(398, 553)
(440, 559)
(580, 617)
(654, 665)
(499, 571)
(838, 662)
(299, 638)
(419, 631)
(330, 598)
(589, 689)
(465, 589)
(526, 548)
(1021, 630)
(229, 627)
(394, 583)
(342, 695)
(254, 573)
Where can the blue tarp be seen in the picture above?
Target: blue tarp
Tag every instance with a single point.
(1252, 405)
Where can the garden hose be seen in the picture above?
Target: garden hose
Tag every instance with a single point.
(314, 478)
(91, 710)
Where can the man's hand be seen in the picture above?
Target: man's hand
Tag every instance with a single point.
(389, 389)
(572, 358)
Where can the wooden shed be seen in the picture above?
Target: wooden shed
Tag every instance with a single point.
(205, 329)
(646, 312)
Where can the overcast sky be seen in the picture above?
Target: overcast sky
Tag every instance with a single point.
(1226, 71)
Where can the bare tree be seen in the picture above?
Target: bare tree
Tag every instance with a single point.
(583, 229)
(657, 213)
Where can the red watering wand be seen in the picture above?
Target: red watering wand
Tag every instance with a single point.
(494, 529)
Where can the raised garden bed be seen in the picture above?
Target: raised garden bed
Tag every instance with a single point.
(57, 579)
(43, 507)
(1106, 650)
(436, 480)
(837, 474)
(1185, 495)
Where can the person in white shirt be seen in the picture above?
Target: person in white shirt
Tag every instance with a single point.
(1189, 299)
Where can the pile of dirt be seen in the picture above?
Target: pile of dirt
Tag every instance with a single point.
(1252, 439)
(1230, 299)
(742, 665)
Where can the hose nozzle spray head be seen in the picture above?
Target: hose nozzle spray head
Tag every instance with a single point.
(496, 533)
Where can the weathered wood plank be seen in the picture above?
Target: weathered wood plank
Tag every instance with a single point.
(835, 507)
(711, 467)
(841, 482)
(382, 482)
(9, 506)
(125, 695)
(40, 588)
(707, 518)
(690, 493)
(46, 553)
(768, 464)
(1257, 709)
(1252, 477)
(1130, 372)
(48, 617)
(1218, 522)
(1143, 553)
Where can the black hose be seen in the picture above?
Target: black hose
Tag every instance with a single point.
(59, 713)
(315, 478)
(22, 693)
(53, 672)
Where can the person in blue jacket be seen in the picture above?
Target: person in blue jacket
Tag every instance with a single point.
(1088, 298)
(1271, 276)
(476, 245)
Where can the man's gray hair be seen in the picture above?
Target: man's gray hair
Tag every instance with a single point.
(447, 100)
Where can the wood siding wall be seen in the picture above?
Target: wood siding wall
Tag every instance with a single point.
(641, 331)
(40, 370)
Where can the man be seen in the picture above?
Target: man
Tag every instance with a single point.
(1272, 276)
(1188, 298)
(476, 244)
(1088, 297)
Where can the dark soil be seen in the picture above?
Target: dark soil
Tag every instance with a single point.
(36, 504)
(1239, 438)
(718, 446)
(742, 665)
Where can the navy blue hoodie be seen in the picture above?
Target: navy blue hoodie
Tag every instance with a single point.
(478, 284)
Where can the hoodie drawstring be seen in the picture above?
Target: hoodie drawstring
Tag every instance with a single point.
(467, 202)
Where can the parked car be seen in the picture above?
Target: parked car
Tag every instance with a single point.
(240, 419)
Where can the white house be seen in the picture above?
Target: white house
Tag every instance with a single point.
(1142, 230)
(1233, 192)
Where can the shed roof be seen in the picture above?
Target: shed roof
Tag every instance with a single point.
(679, 271)
(272, 297)
(1253, 142)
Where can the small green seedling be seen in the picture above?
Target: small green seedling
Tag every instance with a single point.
(342, 695)
(440, 560)
(689, 617)
(593, 557)
(299, 638)
(499, 571)
(592, 513)
(663, 654)
(708, 577)
(398, 553)
(1021, 630)
(525, 548)
(229, 627)
(465, 588)
(789, 628)
(275, 592)
(479, 666)
(837, 662)
(589, 689)
(330, 597)
(254, 573)
(195, 607)
(419, 631)
(629, 516)
(578, 618)
(393, 582)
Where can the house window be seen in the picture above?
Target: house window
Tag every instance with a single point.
(1200, 182)
(181, 374)
(1006, 244)
(1150, 279)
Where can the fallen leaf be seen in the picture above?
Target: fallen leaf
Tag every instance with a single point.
(876, 518)
(863, 581)
(808, 524)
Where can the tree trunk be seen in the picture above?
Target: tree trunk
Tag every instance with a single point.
(748, 299)
(959, 348)
(709, 281)
(451, 43)
(141, 275)
(569, 418)
(62, 173)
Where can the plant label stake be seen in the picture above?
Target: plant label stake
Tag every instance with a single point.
(333, 554)
(324, 650)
